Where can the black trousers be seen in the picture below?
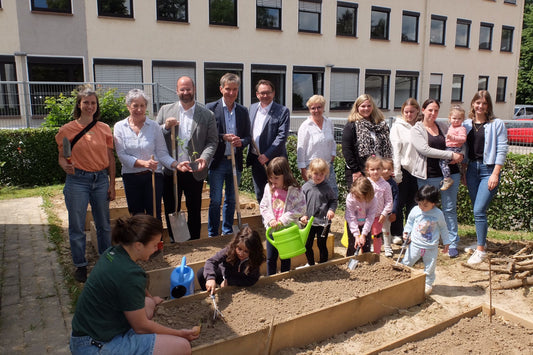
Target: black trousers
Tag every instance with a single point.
(351, 242)
(201, 278)
(406, 201)
(192, 189)
(316, 231)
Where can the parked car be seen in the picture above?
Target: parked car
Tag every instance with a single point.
(520, 131)
(523, 111)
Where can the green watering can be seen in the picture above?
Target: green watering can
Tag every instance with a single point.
(290, 241)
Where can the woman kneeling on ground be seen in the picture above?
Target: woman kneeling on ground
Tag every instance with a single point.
(114, 312)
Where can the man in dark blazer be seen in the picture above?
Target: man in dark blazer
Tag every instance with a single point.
(233, 125)
(270, 129)
(196, 142)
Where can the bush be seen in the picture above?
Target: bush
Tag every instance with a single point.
(512, 208)
(30, 157)
(112, 108)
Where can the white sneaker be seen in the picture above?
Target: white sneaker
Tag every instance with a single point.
(388, 252)
(477, 257)
(471, 248)
(303, 266)
(397, 240)
(427, 290)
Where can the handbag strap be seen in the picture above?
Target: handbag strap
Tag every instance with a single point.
(82, 133)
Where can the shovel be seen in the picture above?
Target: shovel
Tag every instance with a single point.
(326, 229)
(239, 225)
(352, 264)
(178, 223)
(67, 151)
(397, 265)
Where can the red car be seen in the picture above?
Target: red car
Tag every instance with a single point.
(520, 131)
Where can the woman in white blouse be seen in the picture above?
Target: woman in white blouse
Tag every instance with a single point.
(141, 147)
(316, 140)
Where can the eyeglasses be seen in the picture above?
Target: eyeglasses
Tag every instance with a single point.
(264, 93)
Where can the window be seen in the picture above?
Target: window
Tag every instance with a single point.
(485, 35)
(52, 69)
(346, 19)
(9, 99)
(510, 2)
(306, 82)
(435, 86)
(63, 6)
(212, 74)
(438, 30)
(406, 86)
(457, 87)
(273, 73)
(344, 88)
(379, 23)
(309, 15)
(268, 14)
(410, 26)
(483, 83)
(462, 33)
(166, 74)
(115, 8)
(172, 10)
(377, 83)
(223, 12)
(119, 71)
(507, 39)
(501, 89)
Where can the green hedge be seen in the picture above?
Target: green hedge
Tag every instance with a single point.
(30, 159)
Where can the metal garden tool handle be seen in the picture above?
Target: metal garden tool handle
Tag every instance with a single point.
(235, 186)
(215, 306)
(174, 172)
(153, 189)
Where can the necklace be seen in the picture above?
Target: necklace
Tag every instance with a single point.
(477, 126)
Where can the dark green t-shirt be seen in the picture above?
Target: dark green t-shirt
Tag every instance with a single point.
(116, 284)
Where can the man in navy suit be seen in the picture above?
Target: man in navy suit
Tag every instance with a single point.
(270, 129)
(233, 125)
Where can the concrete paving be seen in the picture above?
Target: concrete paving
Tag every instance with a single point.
(34, 302)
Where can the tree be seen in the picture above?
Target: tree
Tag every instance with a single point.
(524, 89)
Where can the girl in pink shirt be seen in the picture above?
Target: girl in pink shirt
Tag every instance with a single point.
(383, 196)
(455, 138)
(283, 203)
(359, 215)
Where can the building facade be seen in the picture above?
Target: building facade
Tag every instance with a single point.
(391, 49)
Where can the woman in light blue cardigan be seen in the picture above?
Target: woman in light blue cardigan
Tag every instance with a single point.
(487, 149)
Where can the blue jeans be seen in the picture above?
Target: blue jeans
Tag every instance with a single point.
(332, 180)
(128, 343)
(477, 181)
(222, 175)
(82, 188)
(449, 204)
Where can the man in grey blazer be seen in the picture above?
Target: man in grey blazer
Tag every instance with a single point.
(270, 129)
(196, 142)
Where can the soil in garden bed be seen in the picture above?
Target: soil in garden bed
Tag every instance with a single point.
(250, 309)
(474, 336)
(194, 250)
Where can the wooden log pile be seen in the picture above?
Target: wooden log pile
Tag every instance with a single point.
(515, 267)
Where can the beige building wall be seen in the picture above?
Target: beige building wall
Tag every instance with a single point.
(146, 39)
